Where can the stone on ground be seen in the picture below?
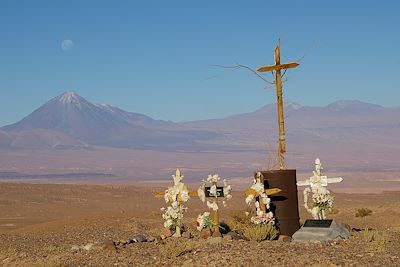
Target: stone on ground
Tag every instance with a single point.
(334, 231)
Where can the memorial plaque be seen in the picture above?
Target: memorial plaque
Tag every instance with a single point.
(318, 223)
(220, 191)
(321, 230)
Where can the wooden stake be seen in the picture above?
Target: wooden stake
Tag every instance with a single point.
(278, 83)
(216, 232)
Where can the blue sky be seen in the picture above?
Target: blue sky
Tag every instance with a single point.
(156, 57)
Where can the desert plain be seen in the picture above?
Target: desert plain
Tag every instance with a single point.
(40, 223)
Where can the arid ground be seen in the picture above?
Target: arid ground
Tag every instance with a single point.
(40, 223)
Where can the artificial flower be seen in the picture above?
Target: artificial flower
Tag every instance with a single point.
(212, 205)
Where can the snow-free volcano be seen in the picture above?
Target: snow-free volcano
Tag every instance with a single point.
(74, 116)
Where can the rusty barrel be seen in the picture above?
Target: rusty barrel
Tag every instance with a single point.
(284, 204)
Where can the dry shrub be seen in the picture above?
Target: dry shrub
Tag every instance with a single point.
(396, 229)
(376, 240)
(189, 227)
(363, 212)
(260, 232)
(239, 221)
(334, 211)
(176, 247)
(369, 235)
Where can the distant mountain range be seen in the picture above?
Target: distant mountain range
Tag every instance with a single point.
(69, 121)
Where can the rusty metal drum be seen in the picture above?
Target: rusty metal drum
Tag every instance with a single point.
(284, 204)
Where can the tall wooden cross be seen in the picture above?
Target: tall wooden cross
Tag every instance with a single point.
(278, 83)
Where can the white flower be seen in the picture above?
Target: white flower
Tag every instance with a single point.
(199, 222)
(166, 196)
(227, 189)
(175, 204)
(212, 205)
(168, 223)
(266, 200)
(261, 217)
(213, 190)
(321, 199)
(213, 178)
(175, 195)
(248, 199)
(258, 187)
(185, 196)
(314, 212)
(202, 220)
(201, 194)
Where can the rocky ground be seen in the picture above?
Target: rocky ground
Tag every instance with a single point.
(85, 231)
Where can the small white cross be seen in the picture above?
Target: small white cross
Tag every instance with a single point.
(318, 180)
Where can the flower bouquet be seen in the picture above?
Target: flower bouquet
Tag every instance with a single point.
(175, 195)
(322, 201)
(262, 220)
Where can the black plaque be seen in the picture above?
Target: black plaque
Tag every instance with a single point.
(318, 223)
(220, 191)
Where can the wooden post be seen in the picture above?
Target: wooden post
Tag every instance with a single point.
(278, 83)
(216, 232)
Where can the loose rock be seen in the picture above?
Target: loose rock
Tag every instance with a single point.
(167, 233)
(285, 238)
(75, 248)
(205, 233)
(187, 235)
(109, 245)
(88, 246)
(139, 238)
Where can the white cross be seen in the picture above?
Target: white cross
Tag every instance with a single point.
(318, 180)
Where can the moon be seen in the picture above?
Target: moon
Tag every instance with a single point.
(66, 45)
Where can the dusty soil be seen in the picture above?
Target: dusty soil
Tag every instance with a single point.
(40, 223)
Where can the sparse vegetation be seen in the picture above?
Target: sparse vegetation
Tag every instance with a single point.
(396, 229)
(334, 211)
(369, 235)
(363, 212)
(239, 221)
(177, 247)
(260, 232)
(376, 240)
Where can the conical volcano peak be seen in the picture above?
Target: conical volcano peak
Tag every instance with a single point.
(69, 98)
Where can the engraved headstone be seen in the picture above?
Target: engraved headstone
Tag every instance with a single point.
(321, 230)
